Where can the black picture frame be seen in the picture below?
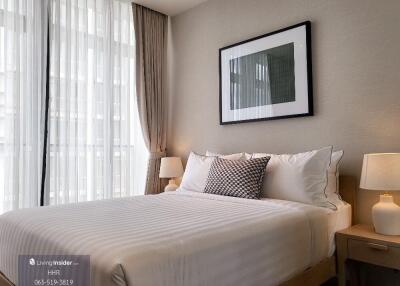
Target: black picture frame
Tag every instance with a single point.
(310, 112)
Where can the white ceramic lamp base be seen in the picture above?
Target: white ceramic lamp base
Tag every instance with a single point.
(172, 186)
(386, 216)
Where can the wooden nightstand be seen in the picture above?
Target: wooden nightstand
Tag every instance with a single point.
(361, 243)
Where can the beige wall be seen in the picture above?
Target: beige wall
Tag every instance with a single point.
(356, 73)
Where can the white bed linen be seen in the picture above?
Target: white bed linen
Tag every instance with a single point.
(178, 239)
(336, 220)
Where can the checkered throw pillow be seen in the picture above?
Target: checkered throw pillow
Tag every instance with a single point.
(237, 178)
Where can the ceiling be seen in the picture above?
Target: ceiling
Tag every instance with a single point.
(169, 7)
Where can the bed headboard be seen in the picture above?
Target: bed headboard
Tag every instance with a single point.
(347, 190)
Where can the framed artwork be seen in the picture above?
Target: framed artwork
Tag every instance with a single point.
(267, 77)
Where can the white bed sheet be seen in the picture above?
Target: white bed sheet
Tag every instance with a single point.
(336, 220)
(178, 239)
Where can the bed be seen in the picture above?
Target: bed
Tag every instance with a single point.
(183, 238)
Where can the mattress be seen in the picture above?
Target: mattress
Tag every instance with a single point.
(180, 239)
(338, 219)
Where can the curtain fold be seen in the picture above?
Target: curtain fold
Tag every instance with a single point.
(151, 38)
(95, 144)
(23, 53)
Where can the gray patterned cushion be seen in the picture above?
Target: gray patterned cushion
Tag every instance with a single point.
(237, 178)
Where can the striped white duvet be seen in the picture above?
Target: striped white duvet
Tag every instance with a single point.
(178, 239)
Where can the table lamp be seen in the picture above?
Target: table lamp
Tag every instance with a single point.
(170, 168)
(381, 172)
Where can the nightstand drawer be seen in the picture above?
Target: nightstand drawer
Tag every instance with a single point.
(374, 253)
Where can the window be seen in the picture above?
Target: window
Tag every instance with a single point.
(96, 150)
(4, 197)
(20, 97)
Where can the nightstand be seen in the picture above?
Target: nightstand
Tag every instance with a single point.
(361, 243)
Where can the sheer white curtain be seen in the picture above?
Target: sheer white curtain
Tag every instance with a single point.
(23, 30)
(96, 149)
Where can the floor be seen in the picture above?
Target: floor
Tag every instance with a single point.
(332, 282)
(370, 275)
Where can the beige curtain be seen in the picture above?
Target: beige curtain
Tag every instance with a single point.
(151, 42)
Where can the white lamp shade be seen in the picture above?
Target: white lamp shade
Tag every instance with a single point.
(171, 167)
(381, 172)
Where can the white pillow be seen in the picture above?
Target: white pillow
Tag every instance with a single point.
(332, 189)
(298, 177)
(235, 156)
(196, 172)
